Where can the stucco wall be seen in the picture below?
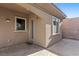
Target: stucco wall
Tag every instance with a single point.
(40, 33)
(8, 35)
(70, 28)
(50, 38)
(44, 35)
(42, 27)
(19, 37)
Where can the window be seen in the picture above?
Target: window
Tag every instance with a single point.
(20, 24)
(55, 25)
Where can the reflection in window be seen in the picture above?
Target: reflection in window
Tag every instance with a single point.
(55, 25)
(20, 24)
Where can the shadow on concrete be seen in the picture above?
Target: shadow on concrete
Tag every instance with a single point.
(19, 50)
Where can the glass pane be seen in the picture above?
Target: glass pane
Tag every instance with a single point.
(20, 23)
(55, 25)
(54, 22)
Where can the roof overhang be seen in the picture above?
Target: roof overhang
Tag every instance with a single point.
(51, 9)
(14, 7)
(47, 7)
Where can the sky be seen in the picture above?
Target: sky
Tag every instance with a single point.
(70, 9)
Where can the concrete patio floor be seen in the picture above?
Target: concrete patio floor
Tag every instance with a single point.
(66, 47)
(25, 50)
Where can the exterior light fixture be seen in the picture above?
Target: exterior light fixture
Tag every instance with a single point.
(7, 20)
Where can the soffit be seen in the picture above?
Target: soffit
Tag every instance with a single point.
(51, 9)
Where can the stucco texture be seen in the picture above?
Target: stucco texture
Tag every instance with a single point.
(42, 26)
(8, 34)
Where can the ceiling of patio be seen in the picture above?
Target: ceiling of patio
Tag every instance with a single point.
(47, 7)
(14, 7)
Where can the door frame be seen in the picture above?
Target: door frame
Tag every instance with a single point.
(31, 31)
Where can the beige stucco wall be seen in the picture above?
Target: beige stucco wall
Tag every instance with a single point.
(46, 26)
(8, 35)
(42, 27)
(70, 28)
(50, 38)
(39, 37)
(42, 32)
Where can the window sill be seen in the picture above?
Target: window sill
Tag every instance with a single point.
(20, 31)
(54, 34)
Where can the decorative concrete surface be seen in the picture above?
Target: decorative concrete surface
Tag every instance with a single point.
(66, 47)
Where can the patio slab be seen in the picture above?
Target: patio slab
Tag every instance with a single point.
(25, 50)
(66, 47)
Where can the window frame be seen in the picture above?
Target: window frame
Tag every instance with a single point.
(57, 30)
(16, 23)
